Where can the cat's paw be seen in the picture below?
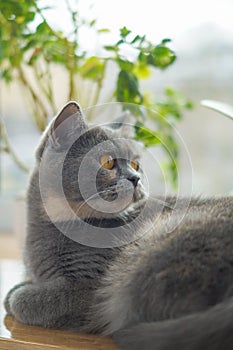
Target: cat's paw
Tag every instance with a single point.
(10, 294)
(15, 302)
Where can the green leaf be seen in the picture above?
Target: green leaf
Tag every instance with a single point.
(30, 16)
(143, 57)
(162, 56)
(93, 68)
(121, 41)
(16, 10)
(30, 43)
(170, 168)
(111, 48)
(174, 104)
(42, 28)
(189, 105)
(6, 75)
(142, 39)
(15, 60)
(127, 88)
(103, 30)
(5, 49)
(165, 41)
(146, 135)
(93, 22)
(125, 65)
(141, 70)
(124, 32)
(136, 38)
(169, 91)
(59, 51)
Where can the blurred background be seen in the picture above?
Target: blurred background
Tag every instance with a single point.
(202, 37)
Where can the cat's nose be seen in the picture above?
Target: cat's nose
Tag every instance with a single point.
(134, 179)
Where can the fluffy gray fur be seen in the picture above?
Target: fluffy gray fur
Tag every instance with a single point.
(163, 291)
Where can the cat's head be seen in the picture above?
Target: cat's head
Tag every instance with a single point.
(94, 169)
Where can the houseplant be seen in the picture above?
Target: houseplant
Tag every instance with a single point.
(30, 47)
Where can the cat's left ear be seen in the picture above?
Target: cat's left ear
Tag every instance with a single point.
(68, 125)
(123, 125)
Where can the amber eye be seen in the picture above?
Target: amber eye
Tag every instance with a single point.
(107, 161)
(134, 164)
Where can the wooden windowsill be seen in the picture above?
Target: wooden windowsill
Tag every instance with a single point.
(36, 338)
(17, 336)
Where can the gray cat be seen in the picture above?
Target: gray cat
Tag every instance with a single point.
(164, 289)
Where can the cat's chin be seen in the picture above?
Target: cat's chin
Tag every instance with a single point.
(139, 195)
(114, 208)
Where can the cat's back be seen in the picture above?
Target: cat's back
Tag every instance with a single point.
(169, 273)
(191, 240)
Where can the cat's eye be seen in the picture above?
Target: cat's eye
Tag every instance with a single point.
(107, 161)
(134, 164)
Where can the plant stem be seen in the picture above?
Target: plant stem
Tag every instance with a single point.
(71, 94)
(72, 59)
(74, 20)
(42, 120)
(50, 90)
(94, 102)
(97, 91)
(40, 76)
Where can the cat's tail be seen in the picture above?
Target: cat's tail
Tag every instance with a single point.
(208, 330)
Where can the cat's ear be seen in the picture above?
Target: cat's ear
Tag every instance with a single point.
(68, 125)
(64, 129)
(123, 125)
(119, 122)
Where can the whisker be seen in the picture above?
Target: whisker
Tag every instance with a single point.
(165, 204)
(88, 199)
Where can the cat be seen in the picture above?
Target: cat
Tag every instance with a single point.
(162, 289)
